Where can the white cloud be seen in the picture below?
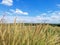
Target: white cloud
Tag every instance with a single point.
(53, 17)
(18, 11)
(7, 2)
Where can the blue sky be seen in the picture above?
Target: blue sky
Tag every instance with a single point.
(35, 11)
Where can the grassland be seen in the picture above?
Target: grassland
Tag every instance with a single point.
(21, 34)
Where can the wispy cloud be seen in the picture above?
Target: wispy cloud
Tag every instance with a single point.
(58, 5)
(7, 2)
(18, 11)
(52, 17)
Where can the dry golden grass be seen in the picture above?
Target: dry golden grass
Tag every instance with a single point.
(20, 34)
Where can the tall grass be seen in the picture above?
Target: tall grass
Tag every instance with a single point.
(20, 34)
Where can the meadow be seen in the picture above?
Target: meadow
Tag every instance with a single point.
(21, 34)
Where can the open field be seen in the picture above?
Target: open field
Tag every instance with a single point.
(21, 34)
(29, 22)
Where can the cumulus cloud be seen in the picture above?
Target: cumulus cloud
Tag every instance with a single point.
(18, 11)
(7, 2)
